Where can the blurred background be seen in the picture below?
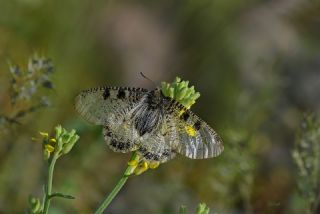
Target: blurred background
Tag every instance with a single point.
(256, 64)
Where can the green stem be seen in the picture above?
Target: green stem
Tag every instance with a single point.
(118, 186)
(48, 190)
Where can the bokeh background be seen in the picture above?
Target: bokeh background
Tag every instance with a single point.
(256, 64)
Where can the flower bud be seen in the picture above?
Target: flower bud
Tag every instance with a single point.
(69, 145)
(34, 204)
(46, 154)
(180, 91)
(58, 130)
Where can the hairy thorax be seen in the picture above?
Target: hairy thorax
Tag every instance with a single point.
(149, 115)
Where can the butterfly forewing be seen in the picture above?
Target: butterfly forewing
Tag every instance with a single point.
(108, 105)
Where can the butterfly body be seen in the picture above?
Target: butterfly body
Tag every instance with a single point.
(155, 126)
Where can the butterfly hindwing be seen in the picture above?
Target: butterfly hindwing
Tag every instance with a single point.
(197, 139)
(108, 105)
(160, 144)
(121, 139)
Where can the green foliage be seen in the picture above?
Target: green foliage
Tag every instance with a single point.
(306, 155)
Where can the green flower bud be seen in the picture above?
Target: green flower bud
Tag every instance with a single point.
(74, 139)
(171, 92)
(58, 130)
(180, 91)
(68, 146)
(34, 204)
(73, 132)
(202, 209)
(46, 154)
(65, 138)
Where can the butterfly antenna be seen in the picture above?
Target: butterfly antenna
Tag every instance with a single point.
(147, 78)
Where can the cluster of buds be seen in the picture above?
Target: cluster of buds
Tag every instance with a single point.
(180, 91)
(59, 145)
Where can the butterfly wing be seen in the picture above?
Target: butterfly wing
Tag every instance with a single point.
(197, 140)
(108, 105)
(180, 133)
(154, 148)
(121, 139)
(160, 144)
(112, 107)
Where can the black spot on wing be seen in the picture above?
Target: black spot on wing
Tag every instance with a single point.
(108, 134)
(142, 150)
(113, 143)
(121, 93)
(185, 116)
(148, 156)
(154, 156)
(166, 153)
(121, 145)
(106, 93)
(197, 125)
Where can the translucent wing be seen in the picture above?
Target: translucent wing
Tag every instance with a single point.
(154, 148)
(108, 105)
(112, 107)
(186, 134)
(197, 140)
(121, 138)
(160, 144)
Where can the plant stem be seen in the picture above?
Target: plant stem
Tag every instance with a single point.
(48, 190)
(118, 186)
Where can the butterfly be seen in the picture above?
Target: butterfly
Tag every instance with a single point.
(155, 126)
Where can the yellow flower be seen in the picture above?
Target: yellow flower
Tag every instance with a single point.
(141, 168)
(52, 140)
(133, 163)
(49, 148)
(44, 134)
(154, 164)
